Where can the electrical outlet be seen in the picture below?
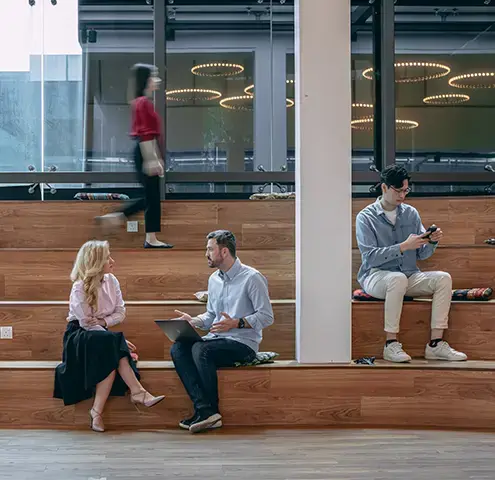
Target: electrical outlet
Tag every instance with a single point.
(132, 226)
(6, 332)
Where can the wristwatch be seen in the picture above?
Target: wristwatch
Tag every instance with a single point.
(242, 323)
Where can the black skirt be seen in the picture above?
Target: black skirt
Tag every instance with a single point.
(88, 358)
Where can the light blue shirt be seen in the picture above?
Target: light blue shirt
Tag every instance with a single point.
(378, 240)
(242, 292)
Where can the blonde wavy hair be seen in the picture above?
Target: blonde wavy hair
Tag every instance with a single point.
(89, 267)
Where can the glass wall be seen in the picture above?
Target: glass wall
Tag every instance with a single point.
(445, 88)
(41, 87)
(229, 89)
(20, 87)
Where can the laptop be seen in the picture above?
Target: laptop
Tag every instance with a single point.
(176, 329)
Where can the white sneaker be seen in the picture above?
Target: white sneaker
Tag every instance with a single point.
(443, 351)
(393, 353)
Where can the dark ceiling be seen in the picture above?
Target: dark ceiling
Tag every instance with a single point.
(462, 16)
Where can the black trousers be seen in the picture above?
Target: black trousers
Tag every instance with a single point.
(196, 364)
(150, 203)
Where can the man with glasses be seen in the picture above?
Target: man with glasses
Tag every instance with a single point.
(391, 238)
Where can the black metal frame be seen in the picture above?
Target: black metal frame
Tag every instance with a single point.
(384, 82)
(160, 59)
(247, 178)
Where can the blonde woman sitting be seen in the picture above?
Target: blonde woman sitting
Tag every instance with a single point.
(96, 360)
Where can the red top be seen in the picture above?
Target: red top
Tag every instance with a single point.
(145, 121)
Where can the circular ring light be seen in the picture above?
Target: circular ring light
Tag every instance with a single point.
(474, 80)
(362, 105)
(441, 71)
(366, 123)
(217, 69)
(447, 99)
(249, 90)
(185, 94)
(236, 103)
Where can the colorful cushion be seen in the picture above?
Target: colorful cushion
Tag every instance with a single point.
(273, 196)
(472, 294)
(362, 296)
(202, 296)
(459, 295)
(261, 357)
(100, 196)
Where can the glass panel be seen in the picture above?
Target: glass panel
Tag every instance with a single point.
(20, 86)
(362, 89)
(62, 91)
(209, 118)
(112, 41)
(445, 85)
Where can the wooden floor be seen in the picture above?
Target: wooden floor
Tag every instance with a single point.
(247, 454)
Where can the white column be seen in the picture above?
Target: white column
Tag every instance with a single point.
(323, 181)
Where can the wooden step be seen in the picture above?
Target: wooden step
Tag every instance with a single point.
(39, 328)
(472, 329)
(267, 224)
(143, 274)
(68, 224)
(464, 221)
(469, 266)
(284, 394)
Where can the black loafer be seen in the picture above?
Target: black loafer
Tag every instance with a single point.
(166, 245)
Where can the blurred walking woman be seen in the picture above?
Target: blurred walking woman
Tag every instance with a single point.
(95, 360)
(148, 156)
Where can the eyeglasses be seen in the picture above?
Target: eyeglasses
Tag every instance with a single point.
(400, 192)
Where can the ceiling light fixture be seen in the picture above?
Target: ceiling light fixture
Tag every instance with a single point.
(442, 71)
(474, 80)
(362, 105)
(187, 94)
(366, 123)
(217, 69)
(236, 103)
(447, 99)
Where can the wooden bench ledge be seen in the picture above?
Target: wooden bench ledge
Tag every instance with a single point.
(130, 302)
(283, 364)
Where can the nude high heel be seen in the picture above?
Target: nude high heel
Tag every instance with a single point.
(96, 428)
(140, 398)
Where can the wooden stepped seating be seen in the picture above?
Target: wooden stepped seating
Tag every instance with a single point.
(282, 394)
(472, 328)
(465, 221)
(469, 266)
(68, 224)
(176, 274)
(143, 274)
(38, 329)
